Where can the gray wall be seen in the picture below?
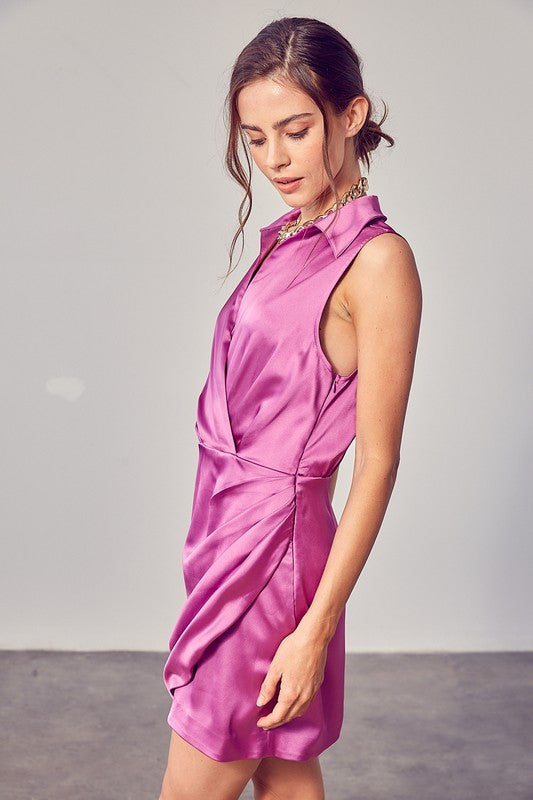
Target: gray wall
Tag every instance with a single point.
(116, 220)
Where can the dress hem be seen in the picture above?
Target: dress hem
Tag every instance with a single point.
(267, 750)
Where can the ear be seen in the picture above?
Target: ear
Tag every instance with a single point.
(356, 114)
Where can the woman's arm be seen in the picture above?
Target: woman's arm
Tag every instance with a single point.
(384, 297)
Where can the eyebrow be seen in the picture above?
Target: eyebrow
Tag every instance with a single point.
(280, 122)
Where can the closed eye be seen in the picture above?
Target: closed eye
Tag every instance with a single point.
(299, 135)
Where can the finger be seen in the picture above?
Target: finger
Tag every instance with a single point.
(280, 714)
(269, 686)
(286, 699)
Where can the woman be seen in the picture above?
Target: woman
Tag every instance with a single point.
(331, 306)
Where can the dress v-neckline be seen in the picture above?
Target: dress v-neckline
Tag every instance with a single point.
(261, 263)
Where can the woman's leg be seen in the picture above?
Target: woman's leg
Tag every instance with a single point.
(191, 775)
(280, 779)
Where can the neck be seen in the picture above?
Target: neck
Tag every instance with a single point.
(326, 202)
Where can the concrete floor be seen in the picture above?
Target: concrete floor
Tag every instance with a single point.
(92, 726)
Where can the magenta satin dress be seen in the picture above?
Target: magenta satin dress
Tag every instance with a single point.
(273, 423)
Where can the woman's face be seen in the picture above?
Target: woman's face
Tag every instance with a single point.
(285, 130)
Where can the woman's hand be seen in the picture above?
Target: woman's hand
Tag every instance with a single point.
(299, 661)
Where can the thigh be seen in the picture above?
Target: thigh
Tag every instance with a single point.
(191, 775)
(280, 779)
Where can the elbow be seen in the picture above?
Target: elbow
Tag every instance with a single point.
(391, 467)
(384, 464)
(395, 464)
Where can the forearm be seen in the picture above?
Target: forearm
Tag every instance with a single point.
(353, 541)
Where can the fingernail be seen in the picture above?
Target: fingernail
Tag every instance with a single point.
(260, 700)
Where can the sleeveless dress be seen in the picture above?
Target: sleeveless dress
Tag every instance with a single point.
(274, 421)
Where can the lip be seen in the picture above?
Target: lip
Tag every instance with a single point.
(288, 187)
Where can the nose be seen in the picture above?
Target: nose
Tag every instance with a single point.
(276, 155)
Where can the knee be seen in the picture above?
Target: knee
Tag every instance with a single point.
(262, 791)
(302, 790)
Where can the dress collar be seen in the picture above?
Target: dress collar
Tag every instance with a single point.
(351, 219)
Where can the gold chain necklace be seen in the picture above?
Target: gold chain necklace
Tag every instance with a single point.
(293, 226)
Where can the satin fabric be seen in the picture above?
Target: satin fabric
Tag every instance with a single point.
(273, 422)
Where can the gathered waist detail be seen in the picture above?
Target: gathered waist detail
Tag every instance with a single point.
(204, 446)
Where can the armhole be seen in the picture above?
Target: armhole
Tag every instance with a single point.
(329, 291)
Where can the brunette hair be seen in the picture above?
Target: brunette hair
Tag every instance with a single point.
(318, 59)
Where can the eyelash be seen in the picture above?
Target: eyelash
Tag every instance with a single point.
(299, 135)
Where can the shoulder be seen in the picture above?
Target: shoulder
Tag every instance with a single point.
(384, 254)
(384, 267)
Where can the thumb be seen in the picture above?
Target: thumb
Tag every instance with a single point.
(268, 687)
